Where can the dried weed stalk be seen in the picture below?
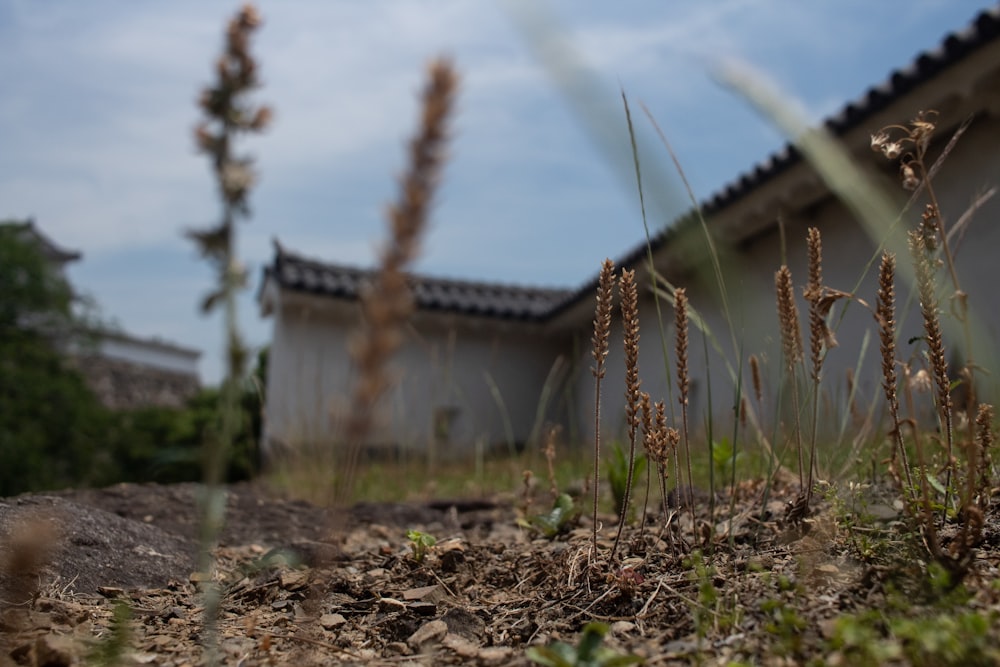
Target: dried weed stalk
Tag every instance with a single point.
(387, 302)
(755, 378)
(228, 113)
(630, 326)
(683, 385)
(551, 433)
(30, 541)
(983, 444)
(929, 246)
(818, 337)
(791, 343)
(602, 330)
(885, 316)
(646, 421)
(670, 439)
(935, 349)
(909, 145)
(658, 441)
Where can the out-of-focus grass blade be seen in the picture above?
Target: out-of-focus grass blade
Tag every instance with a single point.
(594, 103)
(624, 145)
(874, 208)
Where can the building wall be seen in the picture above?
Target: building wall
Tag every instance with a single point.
(123, 385)
(459, 381)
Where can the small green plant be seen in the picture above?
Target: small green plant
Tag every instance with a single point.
(707, 595)
(870, 639)
(587, 653)
(947, 639)
(785, 624)
(618, 474)
(724, 458)
(564, 512)
(420, 543)
(858, 640)
(112, 648)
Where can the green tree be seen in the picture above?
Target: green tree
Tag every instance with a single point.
(166, 445)
(51, 425)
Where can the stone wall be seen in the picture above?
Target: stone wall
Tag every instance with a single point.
(122, 385)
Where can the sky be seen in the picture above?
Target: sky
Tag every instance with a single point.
(98, 107)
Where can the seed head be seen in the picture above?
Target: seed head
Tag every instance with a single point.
(879, 140)
(892, 150)
(909, 177)
(602, 316)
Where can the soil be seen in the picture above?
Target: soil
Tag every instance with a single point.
(300, 584)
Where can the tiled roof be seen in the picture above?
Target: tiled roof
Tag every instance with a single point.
(28, 231)
(511, 302)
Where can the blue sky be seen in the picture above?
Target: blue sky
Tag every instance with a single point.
(99, 98)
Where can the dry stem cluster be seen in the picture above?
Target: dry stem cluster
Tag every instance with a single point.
(923, 493)
(228, 114)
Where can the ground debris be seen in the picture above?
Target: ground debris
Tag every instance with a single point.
(486, 592)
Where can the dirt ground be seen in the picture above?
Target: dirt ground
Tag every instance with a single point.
(303, 585)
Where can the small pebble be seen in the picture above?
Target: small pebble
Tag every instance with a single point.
(432, 631)
(331, 621)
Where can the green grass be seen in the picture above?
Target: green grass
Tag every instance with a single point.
(412, 479)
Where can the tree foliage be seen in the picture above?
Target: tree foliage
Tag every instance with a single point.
(54, 432)
(166, 444)
(50, 423)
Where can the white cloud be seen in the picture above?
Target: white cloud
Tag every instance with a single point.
(100, 97)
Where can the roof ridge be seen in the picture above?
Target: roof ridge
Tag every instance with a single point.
(423, 277)
(496, 300)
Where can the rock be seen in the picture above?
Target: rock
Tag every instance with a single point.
(622, 627)
(397, 648)
(331, 621)
(97, 548)
(391, 605)
(465, 624)
(48, 650)
(495, 655)
(428, 633)
(426, 593)
(295, 580)
(461, 646)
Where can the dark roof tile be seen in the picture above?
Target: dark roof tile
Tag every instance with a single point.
(511, 302)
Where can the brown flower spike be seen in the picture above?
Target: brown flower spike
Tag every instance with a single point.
(630, 326)
(388, 302)
(602, 330)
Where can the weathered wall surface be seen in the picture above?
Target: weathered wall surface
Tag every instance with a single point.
(122, 385)
(458, 382)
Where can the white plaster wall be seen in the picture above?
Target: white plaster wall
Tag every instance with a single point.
(308, 368)
(443, 362)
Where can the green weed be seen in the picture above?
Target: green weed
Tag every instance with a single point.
(619, 477)
(558, 520)
(420, 544)
(589, 652)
